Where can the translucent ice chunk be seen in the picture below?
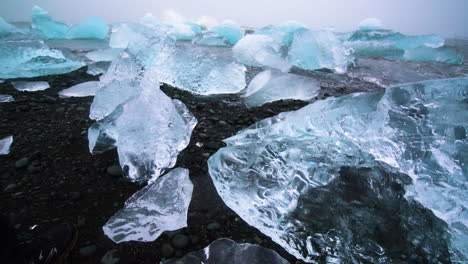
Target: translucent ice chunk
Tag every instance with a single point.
(221, 35)
(442, 54)
(42, 21)
(148, 128)
(4, 98)
(224, 250)
(7, 28)
(104, 54)
(269, 86)
(200, 69)
(313, 50)
(91, 28)
(283, 33)
(30, 86)
(5, 145)
(80, 90)
(370, 24)
(158, 207)
(31, 58)
(97, 68)
(260, 50)
(347, 178)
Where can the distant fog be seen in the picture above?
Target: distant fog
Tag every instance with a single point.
(444, 17)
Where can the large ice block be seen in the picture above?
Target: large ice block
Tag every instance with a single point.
(80, 90)
(348, 178)
(221, 35)
(42, 21)
(160, 206)
(211, 39)
(269, 86)
(224, 250)
(283, 33)
(5, 144)
(91, 28)
(30, 86)
(260, 50)
(200, 69)
(7, 28)
(31, 58)
(147, 127)
(5, 98)
(442, 54)
(313, 50)
(104, 54)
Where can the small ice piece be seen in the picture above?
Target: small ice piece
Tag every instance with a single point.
(30, 86)
(104, 54)
(283, 33)
(370, 24)
(80, 90)
(160, 206)
(5, 98)
(224, 250)
(7, 28)
(269, 86)
(5, 145)
(260, 50)
(312, 50)
(442, 54)
(182, 32)
(42, 21)
(97, 68)
(91, 28)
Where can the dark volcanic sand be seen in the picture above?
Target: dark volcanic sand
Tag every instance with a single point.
(63, 181)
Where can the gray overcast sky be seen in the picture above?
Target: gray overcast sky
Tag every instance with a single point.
(448, 18)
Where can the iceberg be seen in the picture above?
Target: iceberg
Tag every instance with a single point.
(32, 58)
(147, 127)
(160, 206)
(80, 90)
(5, 145)
(312, 50)
(269, 86)
(30, 86)
(283, 34)
(5, 98)
(259, 51)
(200, 69)
(371, 24)
(367, 177)
(91, 28)
(224, 250)
(7, 28)
(226, 34)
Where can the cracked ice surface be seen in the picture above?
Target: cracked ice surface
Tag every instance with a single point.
(302, 177)
(224, 250)
(5, 144)
(147, 127)
(160, 206)
(80, 90)
(30, 86)
(269, 86)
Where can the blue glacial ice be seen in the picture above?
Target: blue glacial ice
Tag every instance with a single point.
(269, 86)
(42, 21)
(147, 127)
(5, 144)
(367, 177)
(312, 50)
(80, 90)
(260, 51)
(25, 86)
(32, 58)
(5, 98)
(371, 23)
(160, 206)
(7, 28)
(283, 34)
(91, 28)
(224, 250)
(226, 34)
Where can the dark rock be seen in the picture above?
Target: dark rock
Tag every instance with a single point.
(21, 163)
(114, 170)
(180, 241)
(88, 251)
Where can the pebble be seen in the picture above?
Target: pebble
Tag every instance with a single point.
(194, 239)
(10, 187)
(222, 122)
(213, 226)
(81, 221)
(167, 250)
(180, 241)
(110, 257)
(88, 251)
(114, 170)
(21, 163)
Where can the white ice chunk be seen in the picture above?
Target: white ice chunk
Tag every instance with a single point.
(4, 98)
(160, 206)
(224, 250)
(260, 50)
(80, 90)
(269, 86)
(97, 68)
(30, 86)
(371, 24)
(91, 28)
(104, 54)
(5, 145)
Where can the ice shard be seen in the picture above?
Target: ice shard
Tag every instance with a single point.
(147, 127)
(200, 69)
(30, 86)
(368, 177)
(91, 28)
(224, 250)
(283, 33)
(7, 28)
(31, 58)
(5, 145)
(269, 86)
(5, 98)
(312, 50)
(260, 50)
(42, 21)
(221, 35)
(160, 206)
(80, 90)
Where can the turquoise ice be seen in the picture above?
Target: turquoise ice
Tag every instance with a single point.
(226, 34)
(283, 33)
